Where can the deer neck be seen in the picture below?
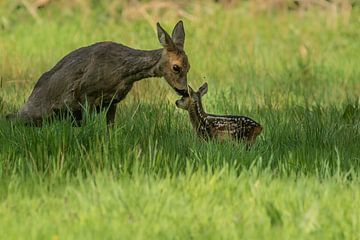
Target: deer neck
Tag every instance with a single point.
(198, 116)
(140, 64)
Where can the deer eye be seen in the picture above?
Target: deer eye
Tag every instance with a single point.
(176, 68)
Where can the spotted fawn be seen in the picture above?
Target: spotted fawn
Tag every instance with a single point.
(217, 126)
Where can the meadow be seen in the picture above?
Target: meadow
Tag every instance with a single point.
(296, 71)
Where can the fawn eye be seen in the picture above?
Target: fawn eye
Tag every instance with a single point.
(176, 68)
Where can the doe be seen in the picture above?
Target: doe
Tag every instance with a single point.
(102, 74)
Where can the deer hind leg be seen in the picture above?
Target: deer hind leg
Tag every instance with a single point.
(30, 122)
(27, 119)
(77, 115)
(110, 112)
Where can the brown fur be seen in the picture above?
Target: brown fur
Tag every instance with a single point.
(101, 75)
(217, 126)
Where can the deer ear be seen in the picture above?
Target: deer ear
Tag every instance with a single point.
(191, 91)
(203, 89)
(164, 38)
(178, 35)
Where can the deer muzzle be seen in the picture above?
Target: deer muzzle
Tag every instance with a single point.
(182, 92)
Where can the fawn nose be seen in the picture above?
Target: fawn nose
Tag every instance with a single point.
(177, 103)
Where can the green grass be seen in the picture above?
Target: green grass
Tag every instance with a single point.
(206, 205)
(297, 73)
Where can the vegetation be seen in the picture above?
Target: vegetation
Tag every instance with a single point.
(295, 71)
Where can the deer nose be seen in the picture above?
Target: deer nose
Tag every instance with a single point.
(182, 92)
(177, 103)
(184, 81)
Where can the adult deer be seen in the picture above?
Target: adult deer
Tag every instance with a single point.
(102, 74)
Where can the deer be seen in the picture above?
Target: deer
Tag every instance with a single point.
(222, 127)
(102, 74)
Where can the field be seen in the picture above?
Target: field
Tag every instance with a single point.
(296, 71)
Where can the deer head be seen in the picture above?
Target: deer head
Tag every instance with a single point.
(194, 97)
(174, 64)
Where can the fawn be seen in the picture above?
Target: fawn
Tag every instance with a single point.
(102, 74)
(217, 126)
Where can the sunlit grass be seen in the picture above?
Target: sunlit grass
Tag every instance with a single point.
(150, 176)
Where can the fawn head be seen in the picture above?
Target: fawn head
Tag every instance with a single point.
(194, 97)
(174, 64)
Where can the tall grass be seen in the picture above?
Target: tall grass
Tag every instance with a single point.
(149, 176)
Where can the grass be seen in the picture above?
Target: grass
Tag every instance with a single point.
(297, 73)
(205, 205)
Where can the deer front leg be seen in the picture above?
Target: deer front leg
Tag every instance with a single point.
(110, 114)
(110, 109)
(77, 117)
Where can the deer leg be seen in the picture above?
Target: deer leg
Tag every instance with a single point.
(74, 115)
(77, 116)
(35, 122)
(110, 114)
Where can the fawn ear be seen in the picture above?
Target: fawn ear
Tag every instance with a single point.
(191, 91)
(178, 35)
(164, 38)
(203, 89)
